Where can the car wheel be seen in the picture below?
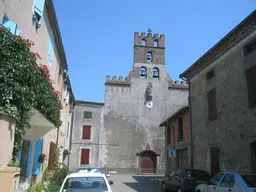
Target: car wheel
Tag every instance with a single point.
(164, 187)
(198, 190)
(179, 190)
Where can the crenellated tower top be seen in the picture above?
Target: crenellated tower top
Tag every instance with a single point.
(149, 48)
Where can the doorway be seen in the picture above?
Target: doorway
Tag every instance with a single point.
(24, 158)
(215, 160)
(148, 162)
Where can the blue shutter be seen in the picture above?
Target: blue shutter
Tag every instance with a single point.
(39, 7)
(38, 151)
(11, 26)
(18, 32)
(51, 48)
(29, 158)
(19, 155)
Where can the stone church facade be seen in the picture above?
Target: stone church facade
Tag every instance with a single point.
(130, 140)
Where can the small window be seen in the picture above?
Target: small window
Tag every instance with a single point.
(251, 86)
(87, 115)
(250, 48)
(215, 180)
(86, 132)
(228, 181)
(210, 75)
(143, 42)
(143, 72)
(155, 73)
(155, 43)
(168, 136)
(85, 157)
(212, 105)
(149, 56)
(180, 129)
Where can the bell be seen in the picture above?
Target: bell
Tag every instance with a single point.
(155, 74)
(149, 58)
(143, 73)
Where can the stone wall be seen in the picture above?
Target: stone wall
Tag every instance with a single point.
(235, 127)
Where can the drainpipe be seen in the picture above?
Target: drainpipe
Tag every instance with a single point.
(70, 134)
(190, 122)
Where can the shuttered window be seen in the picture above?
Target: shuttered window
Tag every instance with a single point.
(212, 107)
(38, 152)
(87, 115)
(51, 49)
(180, 129)
(168, 136)
(85, 156)
(52, 156)
(251, 86)
(39, 7)
(86, 132)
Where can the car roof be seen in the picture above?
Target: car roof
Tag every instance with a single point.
(87, 174)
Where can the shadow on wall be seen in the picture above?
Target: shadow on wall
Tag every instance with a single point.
(145, 183)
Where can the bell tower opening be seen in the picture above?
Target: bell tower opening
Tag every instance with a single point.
(149, 48)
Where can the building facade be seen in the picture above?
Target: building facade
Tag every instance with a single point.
(87, 128)
(223, 102)
(177, 139)
(132, 141)
(36, 20)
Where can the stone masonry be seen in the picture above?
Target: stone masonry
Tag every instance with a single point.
(234, 130)
(96, 126)
(129, 126)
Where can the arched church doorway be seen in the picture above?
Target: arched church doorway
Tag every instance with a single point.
(148, 161)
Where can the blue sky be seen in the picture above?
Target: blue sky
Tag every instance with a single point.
(98, 35)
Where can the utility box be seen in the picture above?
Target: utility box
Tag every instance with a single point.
(9, 179)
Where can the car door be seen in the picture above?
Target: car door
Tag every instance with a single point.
(227, 183)
(168, 181)
(214, 183)
(175, 182)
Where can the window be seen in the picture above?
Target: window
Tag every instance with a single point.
(168, 136)
(51, 49)
(149, 56)
(143, 42)
(155, 43)
(85, 157)
(143, 72)
(86, 132)
(251, 86)
(85, 183)
(210, 75)
(250, 48)
(155, 73)
(215, 180)
(11, 26)
(212, 108)
(38, 10)
(228, 181)
(87, 115)
(180, 129)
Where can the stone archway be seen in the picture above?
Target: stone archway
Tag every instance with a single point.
(147, 162)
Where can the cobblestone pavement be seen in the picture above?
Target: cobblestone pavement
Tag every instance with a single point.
(129, 183)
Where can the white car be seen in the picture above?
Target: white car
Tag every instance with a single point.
(230, 182)
(86, 182)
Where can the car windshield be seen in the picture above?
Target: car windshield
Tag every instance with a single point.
(197, 174)
(86, 184)
(89, 170)
(250, 180)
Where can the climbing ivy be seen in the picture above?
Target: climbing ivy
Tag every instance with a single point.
(24, 83)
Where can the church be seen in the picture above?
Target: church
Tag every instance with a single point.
(122, 134)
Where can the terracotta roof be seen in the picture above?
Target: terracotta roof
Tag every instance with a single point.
(235, 36)
(88, 102)
(176, 114)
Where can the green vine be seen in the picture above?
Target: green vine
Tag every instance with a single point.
(24, 84)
